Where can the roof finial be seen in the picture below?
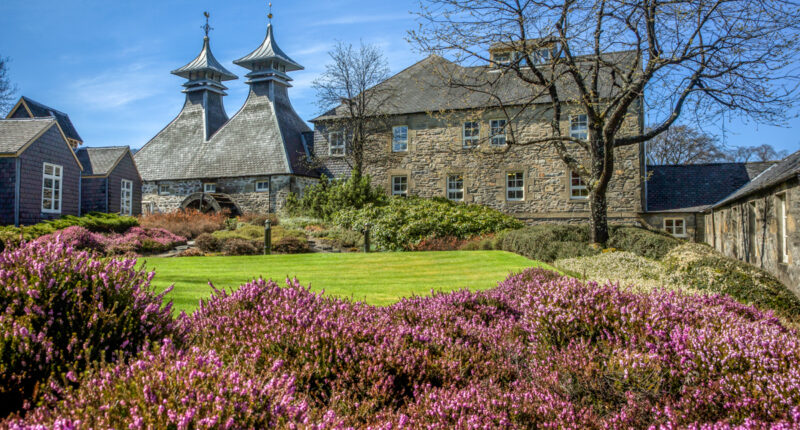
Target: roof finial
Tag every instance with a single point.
(270, 13)
(207, 27)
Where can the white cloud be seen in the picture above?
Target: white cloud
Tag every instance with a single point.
(113, 89)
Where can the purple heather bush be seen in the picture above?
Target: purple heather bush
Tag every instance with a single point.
(63, 310)
(135, 240)
(537, 351)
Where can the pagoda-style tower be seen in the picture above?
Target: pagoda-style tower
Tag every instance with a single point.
(268, 66)
(204, 87)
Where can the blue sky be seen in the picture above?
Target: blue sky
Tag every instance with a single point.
(107, 63)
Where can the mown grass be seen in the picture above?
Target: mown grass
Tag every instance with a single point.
(376, 278)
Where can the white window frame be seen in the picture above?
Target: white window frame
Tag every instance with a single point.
(399, 187)
(400, 143)
(671, 226)
(209, 187)
(783, 235)
(497, 132)
(163, 189)
(579, 126)
(260, 188)
(502, 58)
(126, 197)
(471, 140)
(455, 187)
(56, 177)
(340, 147)
(516, 188)
(579, 188)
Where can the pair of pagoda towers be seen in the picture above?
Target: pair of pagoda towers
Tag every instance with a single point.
(268, 66)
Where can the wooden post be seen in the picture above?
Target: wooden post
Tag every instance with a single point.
(267, 237)
(366, 237)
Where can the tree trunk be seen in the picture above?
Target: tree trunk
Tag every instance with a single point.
(598, 206)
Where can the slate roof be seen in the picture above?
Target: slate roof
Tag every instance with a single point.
(100, 160)
(780, 172)
(16, 133)
(268, 50)
(205, 61)
(695, 187)
(423, 87)
(263, 138)
(41, 111)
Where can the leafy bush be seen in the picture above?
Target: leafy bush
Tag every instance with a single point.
(188, 223)
(549, 242)
(93, 221)
(191, 252)
(404, 222)
(646, 243)
(448, 243)
(328, 196)
(207, 243)
(291, 245)
(259, 219)
(240, 246)
(246, 231)
(63, 311)
(702, 268)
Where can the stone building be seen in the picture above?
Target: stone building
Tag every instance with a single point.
(441, 141)
(677, 195)
(760, 222)
(246, 163)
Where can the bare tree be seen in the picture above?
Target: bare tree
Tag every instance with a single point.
(350, 109)
(707, 56)
(682, 144)
(764, 152)
(7, 90)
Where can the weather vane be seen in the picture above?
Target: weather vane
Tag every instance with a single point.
(270, 12)
(207, 27)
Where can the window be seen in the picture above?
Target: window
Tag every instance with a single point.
(783, 235)
(163, 190)
(579, 126)
(209, 187)
(126, 198)
(262, 186)
(577, 188)
(515, 186)
(400, 138)
(400, 186)
(455, 187)
(336, 144)
(503, 58)
(52, 177)
(675, 226)
(472, 130)
(497, 131)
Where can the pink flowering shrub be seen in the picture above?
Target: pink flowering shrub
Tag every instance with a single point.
(134, 240)
(537, 351)
(64, 310)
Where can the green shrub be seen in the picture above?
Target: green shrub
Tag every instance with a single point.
(549, 242)
(404, 222)
(239, 246)
(646, 243)
(93, 221)
(324, 199)
(700, 267)
(246, 231)
(291, 245)
(207, 243)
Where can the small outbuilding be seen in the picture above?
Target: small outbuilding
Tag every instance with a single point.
(40, 175)
(110, 181)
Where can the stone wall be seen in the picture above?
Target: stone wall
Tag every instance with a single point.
(435, 151)
(694, 222)
(241, 190)
(747, 229)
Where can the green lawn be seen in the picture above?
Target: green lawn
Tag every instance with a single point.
(377, 278)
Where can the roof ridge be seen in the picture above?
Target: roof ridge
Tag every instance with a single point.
(30, 100)
(36, 118)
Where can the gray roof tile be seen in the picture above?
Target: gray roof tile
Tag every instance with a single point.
(100, 160)
(779, 173)
(41, 111)
(268, 50)
(16, 133)
(205, 61)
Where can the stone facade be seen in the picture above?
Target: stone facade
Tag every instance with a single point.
(749, 229)
(435, 151)
(693, 222)
(241, 190)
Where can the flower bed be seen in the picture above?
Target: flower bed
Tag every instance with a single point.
(538, 351)
(135, 240)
